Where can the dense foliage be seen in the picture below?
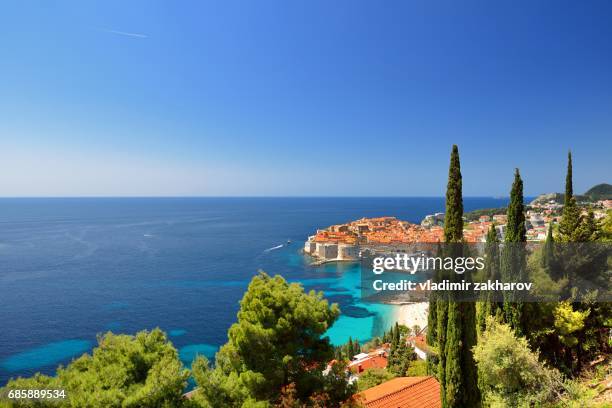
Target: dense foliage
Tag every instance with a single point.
(276, 343)
(401, 354)
(373, 377)
(511, 375)
(123, 371)
(476, 214)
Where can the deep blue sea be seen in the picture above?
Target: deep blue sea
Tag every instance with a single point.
(72, 268)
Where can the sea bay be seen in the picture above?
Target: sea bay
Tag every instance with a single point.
(72, 268)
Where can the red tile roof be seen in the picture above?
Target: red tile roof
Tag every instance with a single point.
(360, 366)
(403, 392)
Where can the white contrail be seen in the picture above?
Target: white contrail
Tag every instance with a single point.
(125, 33)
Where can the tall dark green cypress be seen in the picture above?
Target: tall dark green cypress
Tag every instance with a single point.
(456, 321)
(515, 230)
(453, 233)
(395, 345)
(548, 246)
(349, 349)
(570, 217)
(432, 332)
(487, 306)
(548, 255)
(432, 324)
(453, 219)
(513, 256)
(569, 187)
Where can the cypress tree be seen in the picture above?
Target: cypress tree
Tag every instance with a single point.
(453, 219)
(442, 323)
(515, 230)
(349, 348)
(569, 187)
(457, 369)
(396, 335)
(432, 322)
(548, 255)
(488, 307)
(432, 326)
(386, 338)
(570, 217)
(492, 251)
(513, 260)
(395, 345)
(548, 246)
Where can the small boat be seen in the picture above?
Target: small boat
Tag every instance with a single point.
(288, 241)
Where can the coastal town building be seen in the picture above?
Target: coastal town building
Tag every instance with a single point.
(326, 250)
(419, 344)
(347, 241)
(347, 252)
(500, 218)
(364, 362)
(357, 239)
(405, 392)
(433, 220)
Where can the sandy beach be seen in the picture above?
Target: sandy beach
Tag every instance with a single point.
(412, 314)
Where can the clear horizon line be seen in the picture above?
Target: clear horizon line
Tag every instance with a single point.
(251, 196)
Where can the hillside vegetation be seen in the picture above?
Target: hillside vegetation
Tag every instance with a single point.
(601, 191)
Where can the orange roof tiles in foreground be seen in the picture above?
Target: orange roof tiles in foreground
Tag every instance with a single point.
(403, 392)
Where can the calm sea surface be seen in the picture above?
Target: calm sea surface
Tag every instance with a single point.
(73, 268)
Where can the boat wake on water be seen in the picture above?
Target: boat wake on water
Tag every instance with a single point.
(274, 248)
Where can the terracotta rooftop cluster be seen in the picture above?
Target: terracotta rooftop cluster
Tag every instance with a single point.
(476, 231)
(381, 230)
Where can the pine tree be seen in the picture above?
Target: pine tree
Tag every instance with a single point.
(457, 369)
(589, 229)
(405, 355)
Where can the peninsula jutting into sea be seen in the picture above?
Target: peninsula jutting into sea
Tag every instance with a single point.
(351, 240)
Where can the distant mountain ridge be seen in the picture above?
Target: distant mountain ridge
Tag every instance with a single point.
(601, 191)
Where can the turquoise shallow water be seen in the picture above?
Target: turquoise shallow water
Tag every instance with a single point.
(50, 353)
(73, 268)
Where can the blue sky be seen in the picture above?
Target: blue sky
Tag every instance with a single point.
(302, 97)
